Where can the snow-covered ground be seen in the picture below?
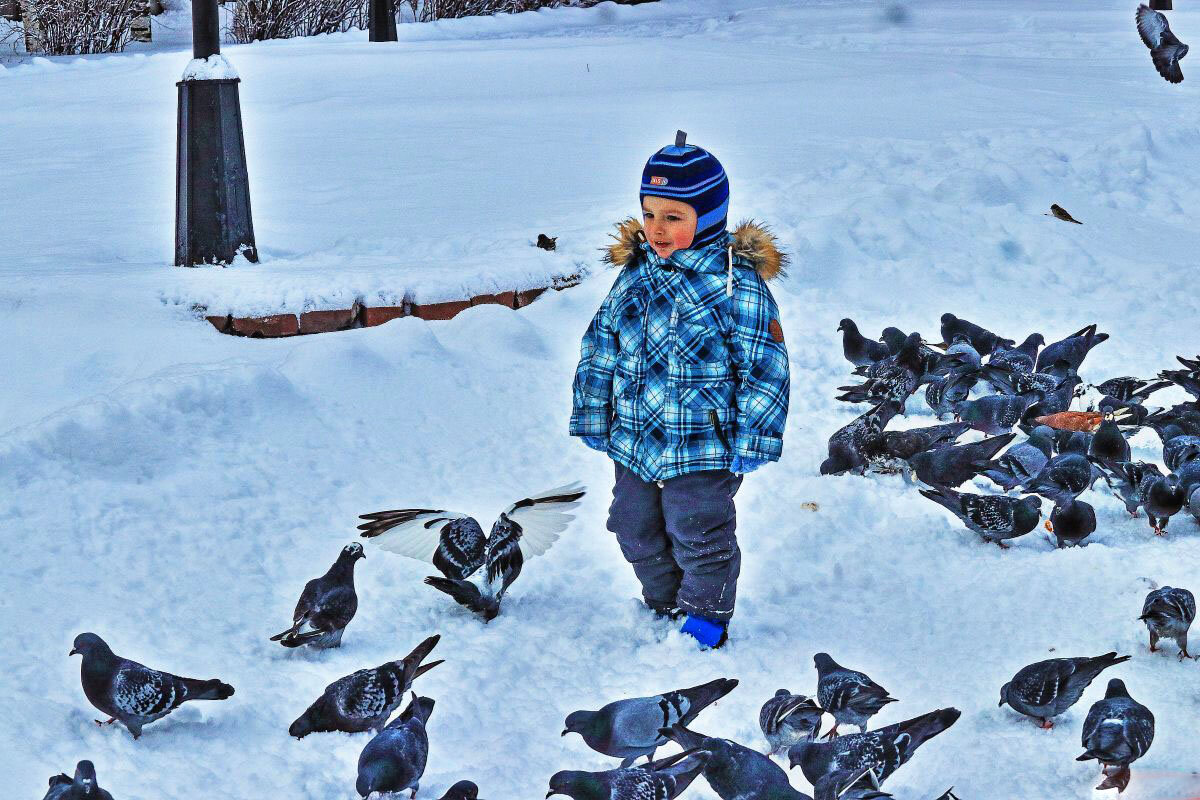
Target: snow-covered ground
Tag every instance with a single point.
(172, 489)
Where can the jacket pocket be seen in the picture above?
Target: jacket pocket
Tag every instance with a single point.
(717, 426)
(629, 321)
(698, 336)
(625, 389)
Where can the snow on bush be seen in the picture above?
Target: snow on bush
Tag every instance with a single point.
(258, 20)
(78, 27)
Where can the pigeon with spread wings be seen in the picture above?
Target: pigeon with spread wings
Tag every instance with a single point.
(1165, 49)
(476, 569)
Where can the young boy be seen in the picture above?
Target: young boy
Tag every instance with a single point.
(683, 382)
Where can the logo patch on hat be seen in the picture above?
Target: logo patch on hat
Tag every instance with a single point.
(776, 330)
(658, 180)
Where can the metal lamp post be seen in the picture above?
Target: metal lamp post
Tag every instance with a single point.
(212, 197)
(381, 21)
(1161, 5)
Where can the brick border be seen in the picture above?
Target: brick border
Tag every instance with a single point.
(276, 326)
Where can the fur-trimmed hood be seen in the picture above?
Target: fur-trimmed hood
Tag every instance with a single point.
(753, 245)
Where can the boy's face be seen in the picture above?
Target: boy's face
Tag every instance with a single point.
(669, 224)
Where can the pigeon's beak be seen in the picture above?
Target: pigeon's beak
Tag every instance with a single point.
(564, 733)
(551, 793)
(73, 652)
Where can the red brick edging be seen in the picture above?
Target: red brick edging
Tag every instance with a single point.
(362, 316)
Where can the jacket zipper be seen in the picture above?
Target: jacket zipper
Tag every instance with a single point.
(716, 421)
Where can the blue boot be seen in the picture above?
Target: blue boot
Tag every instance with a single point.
(709, 632)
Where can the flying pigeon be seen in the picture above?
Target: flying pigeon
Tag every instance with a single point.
(463, 790)
(1048, 688)
(1118, 731)
(82, 787)
(1165, 50)
(364, 700)
(1072, 349)
(1022, 462)
(1071, 522)
(131, 693)
(882, 750)
(851, 697)
(858, 349)
(394, 759)
(993, 517)
(789, 718)
(628, 729)
(477, 570)
(735, 772)
(664, 779)
(847, 444)
(1058, 212)
(1168, 613)
(952, 466)
(1128, 389)
(983, 340)
(326, 605)
(1162, 497)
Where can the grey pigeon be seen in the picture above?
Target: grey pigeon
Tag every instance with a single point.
(1165, 50)
(477, 570)
(364, 700)
(82, 787)
(993, 517)
(1021, 358)
(1128, 389)
(1072, 521)
(394, 760)
(851, 697)
(1125, 480)
(1187, 379)
(1193, 502)
(1108, 444)
(664, 779)
(463, 790)
(735, 772)
(960, 358)
(859, 350)
(1168, 613)
(954, 465)
(943, 395)
(789, 718)
(907, 443)
(131, 693)
(847, 785)
(1162, 497)
(629, 729)
(995, 413)
(1048, 688)
(1073, 349)
(326, 605)
(1179, 450)
(983, 340)
(1022, 462)
(1189, 476)
(1118, 731)
(883, 750)
(894, 378)
(1064, 477)
(848, 444)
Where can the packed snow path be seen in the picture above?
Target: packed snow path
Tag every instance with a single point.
(172, 489)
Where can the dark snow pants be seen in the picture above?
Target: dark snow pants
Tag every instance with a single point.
(680, 539)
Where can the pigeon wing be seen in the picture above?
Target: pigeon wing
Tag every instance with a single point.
(1166, 61)
(1151, 27)
(425, 534)
(138, 691)
(540, 518)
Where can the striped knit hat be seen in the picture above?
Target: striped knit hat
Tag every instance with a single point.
(690, 175)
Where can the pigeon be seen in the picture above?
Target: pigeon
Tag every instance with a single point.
(131, 693)
(477, 571)
(960, 357)
(1071, 522)
(1022, 462)
(1179, 450)
(847, 444)
(859, 350)
(1168, 613)
(1064, 477)
(789, 718)
(1128, 389)
(1189, 476)
(883, 750)
(735, 772)
(463, 790)
(1058, 212)
(894, 378)
(954, 465)
(326, 605)
(1187, 379)
(1162, 497)
(1019, 359)
(82, 787)
(995, 413)
(1125, 480)
(1072, 349)
(993, 517)
(1118, 731)
(547, 242)
(943, 395)
(364, 700)
(851, 697)
(1193, 502)
(664, 779)
(847, 785)
(907, 443)
(1108, 444)
(1048, 688)
(628, 729)
(983, 340)
(1165, 50)
(394, 759)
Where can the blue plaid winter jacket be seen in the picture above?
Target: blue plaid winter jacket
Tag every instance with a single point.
(684, 365)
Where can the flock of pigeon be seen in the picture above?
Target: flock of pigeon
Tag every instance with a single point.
(991, 384)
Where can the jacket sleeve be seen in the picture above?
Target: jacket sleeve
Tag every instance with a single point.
(761, 362)
(591, 393)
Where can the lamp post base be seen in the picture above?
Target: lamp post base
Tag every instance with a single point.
(212, 198)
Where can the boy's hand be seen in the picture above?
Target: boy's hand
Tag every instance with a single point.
(741, 466)
(599, 443)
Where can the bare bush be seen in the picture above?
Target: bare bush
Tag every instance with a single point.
(258, 20)
(78, 27)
